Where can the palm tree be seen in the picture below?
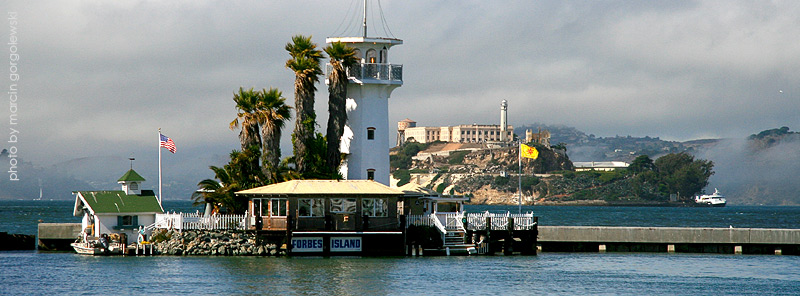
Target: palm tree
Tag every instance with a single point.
(247, 105)
(342, 58)
(230, 178)
(305, 64)
(272, 114)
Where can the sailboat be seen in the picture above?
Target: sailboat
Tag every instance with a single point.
(40, 190)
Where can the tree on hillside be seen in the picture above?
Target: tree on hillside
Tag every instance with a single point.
(305, 58)
(640, 164)
(681, 173)
(342, 57)
(272, 116)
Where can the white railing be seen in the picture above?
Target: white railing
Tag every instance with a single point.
(185, 221)
(475, 221)
(499, 221)
(361, 71)
(451, 220)
(419, 220)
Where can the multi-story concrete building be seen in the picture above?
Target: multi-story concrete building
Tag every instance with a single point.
(465, 133)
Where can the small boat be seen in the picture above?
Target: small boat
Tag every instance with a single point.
(103, 246)
(93, 248)
(713, 200)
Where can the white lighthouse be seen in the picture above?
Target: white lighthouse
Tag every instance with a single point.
(503, 121)
(366, 136)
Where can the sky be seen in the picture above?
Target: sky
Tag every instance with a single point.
(98, 78)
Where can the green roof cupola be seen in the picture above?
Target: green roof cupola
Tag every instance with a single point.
(131, 182)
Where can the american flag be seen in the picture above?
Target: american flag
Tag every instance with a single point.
(166, 142)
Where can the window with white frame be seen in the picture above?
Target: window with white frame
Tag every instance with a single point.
(375, 207)
(278, 207)
(343, 205)
(311, 207)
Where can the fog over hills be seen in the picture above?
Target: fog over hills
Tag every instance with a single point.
(748, 170)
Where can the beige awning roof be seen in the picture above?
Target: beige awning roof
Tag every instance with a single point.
(412, 189)
(331, 187)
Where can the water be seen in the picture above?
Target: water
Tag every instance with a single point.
(29, 272)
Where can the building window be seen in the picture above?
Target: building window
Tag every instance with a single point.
(372, 56)
(371, 174)
(375, 207)
(278, 207)
(134, 186)
(343, 205)
(311, 207)
(370, 133)
(127, 222)
(384, 55)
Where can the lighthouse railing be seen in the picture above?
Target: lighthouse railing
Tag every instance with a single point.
(374, 71)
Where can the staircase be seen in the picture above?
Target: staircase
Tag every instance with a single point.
(454, 234)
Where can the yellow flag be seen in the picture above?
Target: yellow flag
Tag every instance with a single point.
(528, 151)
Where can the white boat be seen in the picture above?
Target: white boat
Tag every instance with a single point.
(714, 200)
(102, 246)
(93, 248)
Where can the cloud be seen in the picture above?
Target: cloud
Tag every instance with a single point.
(100, 77)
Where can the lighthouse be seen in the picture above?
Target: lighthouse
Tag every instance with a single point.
(503, 121)
(365, 142)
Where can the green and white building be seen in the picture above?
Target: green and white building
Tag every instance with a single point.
(117, 211)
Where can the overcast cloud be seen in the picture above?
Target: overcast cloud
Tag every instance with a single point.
(98, 78)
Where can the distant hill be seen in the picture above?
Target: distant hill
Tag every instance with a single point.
(588, 147)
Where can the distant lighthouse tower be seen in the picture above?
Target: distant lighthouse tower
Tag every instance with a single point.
(504, 121)
(366, 136)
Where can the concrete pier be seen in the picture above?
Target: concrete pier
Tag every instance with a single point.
(58, 236)
(669, 239)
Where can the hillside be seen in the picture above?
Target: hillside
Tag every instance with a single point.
(759, 169)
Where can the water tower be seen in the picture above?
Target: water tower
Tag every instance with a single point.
(371, 82)
(401, 130)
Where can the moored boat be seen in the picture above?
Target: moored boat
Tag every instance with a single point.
(103, 246)
(714, 200)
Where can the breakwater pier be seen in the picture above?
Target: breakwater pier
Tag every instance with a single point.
(669, 239)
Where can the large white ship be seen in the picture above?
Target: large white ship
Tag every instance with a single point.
(714, 200)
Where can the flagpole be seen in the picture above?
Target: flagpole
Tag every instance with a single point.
(159, 167)
(519, 179)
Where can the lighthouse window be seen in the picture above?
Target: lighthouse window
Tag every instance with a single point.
(357, 53)
(384, 54)
(372, 56)
(370, 133)
(134, 186)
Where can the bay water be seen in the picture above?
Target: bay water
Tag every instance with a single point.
(37, 273)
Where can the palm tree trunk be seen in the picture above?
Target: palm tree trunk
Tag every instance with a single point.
(337, 100)
(304, 123)
(272, 152)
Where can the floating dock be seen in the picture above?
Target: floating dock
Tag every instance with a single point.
(669, 239)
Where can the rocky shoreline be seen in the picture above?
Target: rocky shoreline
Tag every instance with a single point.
(212, 243)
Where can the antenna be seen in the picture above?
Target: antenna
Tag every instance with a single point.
(365, 19)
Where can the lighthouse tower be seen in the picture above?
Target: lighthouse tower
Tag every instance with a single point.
(503, 121)
(365, 142)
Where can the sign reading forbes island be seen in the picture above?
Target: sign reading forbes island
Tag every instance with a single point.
(306, 244)
(337, 244)
(345, 244)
